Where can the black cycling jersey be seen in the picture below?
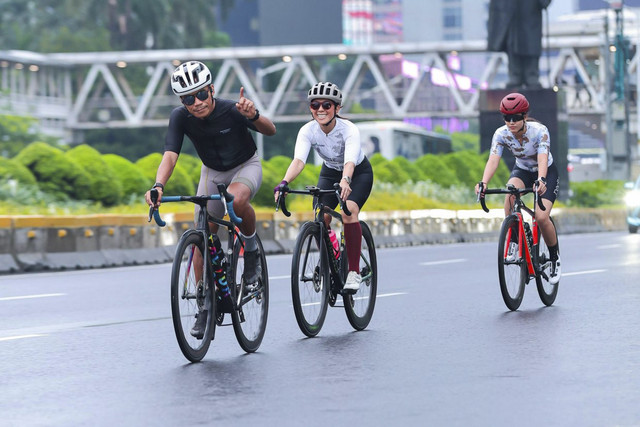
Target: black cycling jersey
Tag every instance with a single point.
(222, 139)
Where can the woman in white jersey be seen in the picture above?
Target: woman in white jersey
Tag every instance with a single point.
(337, 142)
(529, 142)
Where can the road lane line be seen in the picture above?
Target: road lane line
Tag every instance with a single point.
(19, 337)
(447, 261)
(577, 273)
(612, 246)
(393, 294)
(30, 296)
(288, 276)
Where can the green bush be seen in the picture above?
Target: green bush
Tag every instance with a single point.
(105, 187)
(389, 172)
(376, 159)
(132, 181)
(600, 192)
(55, 173)
(191, 164)
(180, 182)
(435, 170)
(270, 178)
(11, 169)
(414, 172)
(467, 165)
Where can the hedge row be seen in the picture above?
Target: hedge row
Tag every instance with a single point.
(82, 173)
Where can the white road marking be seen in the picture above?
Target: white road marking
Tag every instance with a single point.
(447, 261)
(577, 273)
(30, 296)
(19, 337)
(393, 294)
(616, 245)
(288, 276)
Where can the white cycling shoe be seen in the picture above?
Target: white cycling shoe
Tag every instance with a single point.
(353, 281)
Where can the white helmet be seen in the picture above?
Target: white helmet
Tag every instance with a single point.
(325, 90)
(190, 77)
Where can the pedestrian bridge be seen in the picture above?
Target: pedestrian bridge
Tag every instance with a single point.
(77, 91)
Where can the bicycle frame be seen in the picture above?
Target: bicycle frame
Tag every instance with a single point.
(530, 253)
(319, 211)
(202, 226)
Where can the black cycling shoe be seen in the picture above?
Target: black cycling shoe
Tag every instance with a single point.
(252, 267)
(201, 324)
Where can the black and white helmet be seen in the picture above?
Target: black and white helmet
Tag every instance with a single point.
(325, 90)
(190, 77)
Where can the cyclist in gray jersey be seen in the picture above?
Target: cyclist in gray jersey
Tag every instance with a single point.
(337, 142)
(531, 146)
(219, 130)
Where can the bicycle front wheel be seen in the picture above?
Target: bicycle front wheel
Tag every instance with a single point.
(189, 296)
(249, 317)
(546, 290)
(512, 272)
(310, 280)
(359, 306)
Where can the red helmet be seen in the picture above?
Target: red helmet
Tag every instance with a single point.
(514, 103)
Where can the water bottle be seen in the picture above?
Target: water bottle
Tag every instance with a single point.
(219, 265)
(335, 243)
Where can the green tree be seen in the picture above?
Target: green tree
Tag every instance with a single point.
(16, 132)
(106, 188)
(89, 25)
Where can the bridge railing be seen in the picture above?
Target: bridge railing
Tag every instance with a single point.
(383, 81)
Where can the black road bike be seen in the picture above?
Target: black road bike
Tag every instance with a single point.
(522, 252)
(318, 272)
(193, 287)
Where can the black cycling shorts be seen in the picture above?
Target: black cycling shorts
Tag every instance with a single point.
(361, 183)
(553, 183)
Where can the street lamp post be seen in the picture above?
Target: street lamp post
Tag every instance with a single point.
(618, 136)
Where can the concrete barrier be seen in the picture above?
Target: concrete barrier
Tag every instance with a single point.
(38, 243)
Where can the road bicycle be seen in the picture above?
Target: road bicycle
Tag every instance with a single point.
(522, 251)
(318, 272)
(194, 288)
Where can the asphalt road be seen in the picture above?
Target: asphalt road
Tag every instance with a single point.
(97, 348)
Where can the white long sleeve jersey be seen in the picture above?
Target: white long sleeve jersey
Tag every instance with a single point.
(340, 146)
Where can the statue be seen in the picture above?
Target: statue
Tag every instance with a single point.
(515, 27)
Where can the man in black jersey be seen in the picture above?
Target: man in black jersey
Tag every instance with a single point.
(219, 131)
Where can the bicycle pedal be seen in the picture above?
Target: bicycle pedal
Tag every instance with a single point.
(348, 291)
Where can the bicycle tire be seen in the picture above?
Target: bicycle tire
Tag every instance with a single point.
(249, 317)
(546, 290)
(310, 280)
(185, 297)
(359, 306)
(512, 275)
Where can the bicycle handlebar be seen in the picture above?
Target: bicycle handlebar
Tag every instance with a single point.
(313, 191)
(223, 195)
(509, 190)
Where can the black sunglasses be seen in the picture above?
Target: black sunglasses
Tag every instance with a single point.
(326, 105)
(202, 95)
(513, 117)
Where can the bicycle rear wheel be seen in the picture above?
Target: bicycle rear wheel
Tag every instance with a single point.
(512, 273)
(249, 317)
(310, 280)
(359, 306)
(188, 299)
(546, 290)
